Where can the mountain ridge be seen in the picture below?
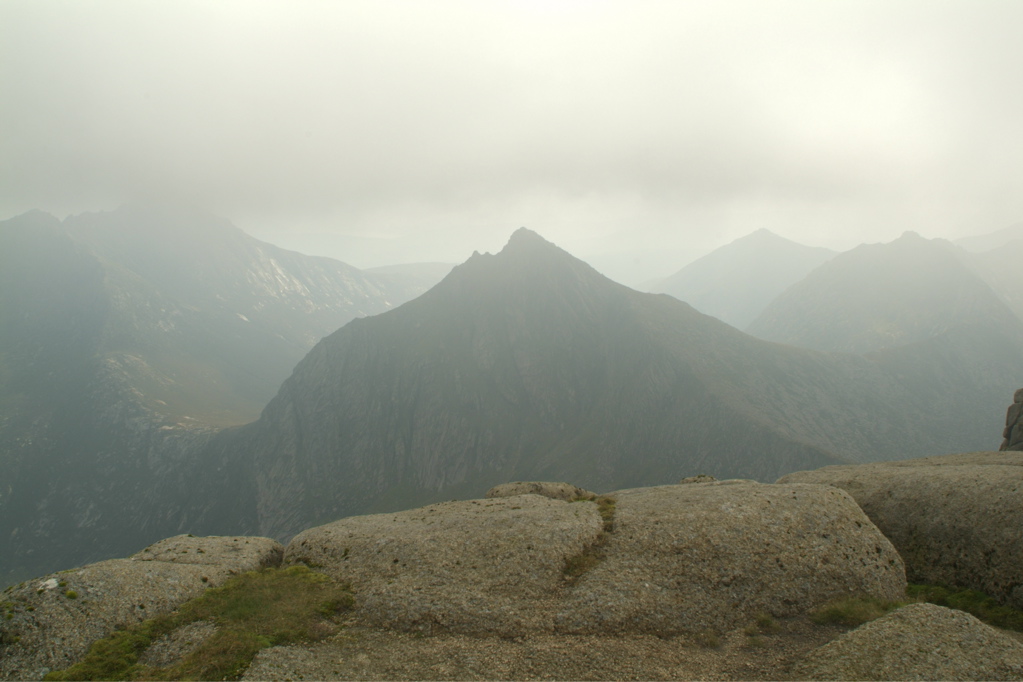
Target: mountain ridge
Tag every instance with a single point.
(529, 364)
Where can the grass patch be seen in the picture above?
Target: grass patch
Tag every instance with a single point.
(251, 611)
(973, 602)
(606, 508)
(708, 639)
(578, 565)
(853, 611)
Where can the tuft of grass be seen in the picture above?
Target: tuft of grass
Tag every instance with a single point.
(251, 611)
(708, 639)
(766, 624)
(973, 602)
(853, 611)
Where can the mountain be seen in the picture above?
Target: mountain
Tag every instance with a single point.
(522, 365)
(124, 338)
(1002, 269)
(993, 240)
(917, 308)
(881, 296)
(206, 319)
(530, 365)
(736, 282)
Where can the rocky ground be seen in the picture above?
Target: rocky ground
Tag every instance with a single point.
(701, 580)
(361, 653)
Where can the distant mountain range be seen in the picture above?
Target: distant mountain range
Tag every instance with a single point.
(736, 282)
(525, 364)
(984, 243)
(879, 296)
(916, 307)
(528, 364)
(125, 336)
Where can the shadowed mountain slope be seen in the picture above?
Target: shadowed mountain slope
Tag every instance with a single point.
(736, 282)
(528, 364)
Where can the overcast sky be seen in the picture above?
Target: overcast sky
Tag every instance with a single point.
(381, 132)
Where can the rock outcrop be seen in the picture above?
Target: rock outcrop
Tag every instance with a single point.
(671, 560)
(712, 556)
(956, 520)
(917, 642)
(1013, 434)
(555, 491)
(53, 620)
(475, 567)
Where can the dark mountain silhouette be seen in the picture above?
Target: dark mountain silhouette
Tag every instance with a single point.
(123, 337)
(736, 282)
(529, 365)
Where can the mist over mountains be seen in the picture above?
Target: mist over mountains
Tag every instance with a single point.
(130, 339)
(124, 338)
(736, 282)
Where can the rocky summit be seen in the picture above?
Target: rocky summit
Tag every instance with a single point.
(684, 561)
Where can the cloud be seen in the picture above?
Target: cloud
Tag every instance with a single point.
(679, 122)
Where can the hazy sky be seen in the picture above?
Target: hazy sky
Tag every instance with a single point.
(381, 132)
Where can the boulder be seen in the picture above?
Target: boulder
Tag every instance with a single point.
(956, 520)
(715, 555)
(54, 619)
(917, 642)
(1013, 433)
(473, 567)
(555, 491)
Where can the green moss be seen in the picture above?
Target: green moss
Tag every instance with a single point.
(854, 611)
(766, 624)
(606, 507)
(973, 602)
(708, 639)
(251, 611)
(71, 594)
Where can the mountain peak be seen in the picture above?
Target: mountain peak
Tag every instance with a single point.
(524, 238)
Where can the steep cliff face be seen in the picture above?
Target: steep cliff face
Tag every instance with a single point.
(529, 364)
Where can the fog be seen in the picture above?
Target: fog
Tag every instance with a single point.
(637, 135)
